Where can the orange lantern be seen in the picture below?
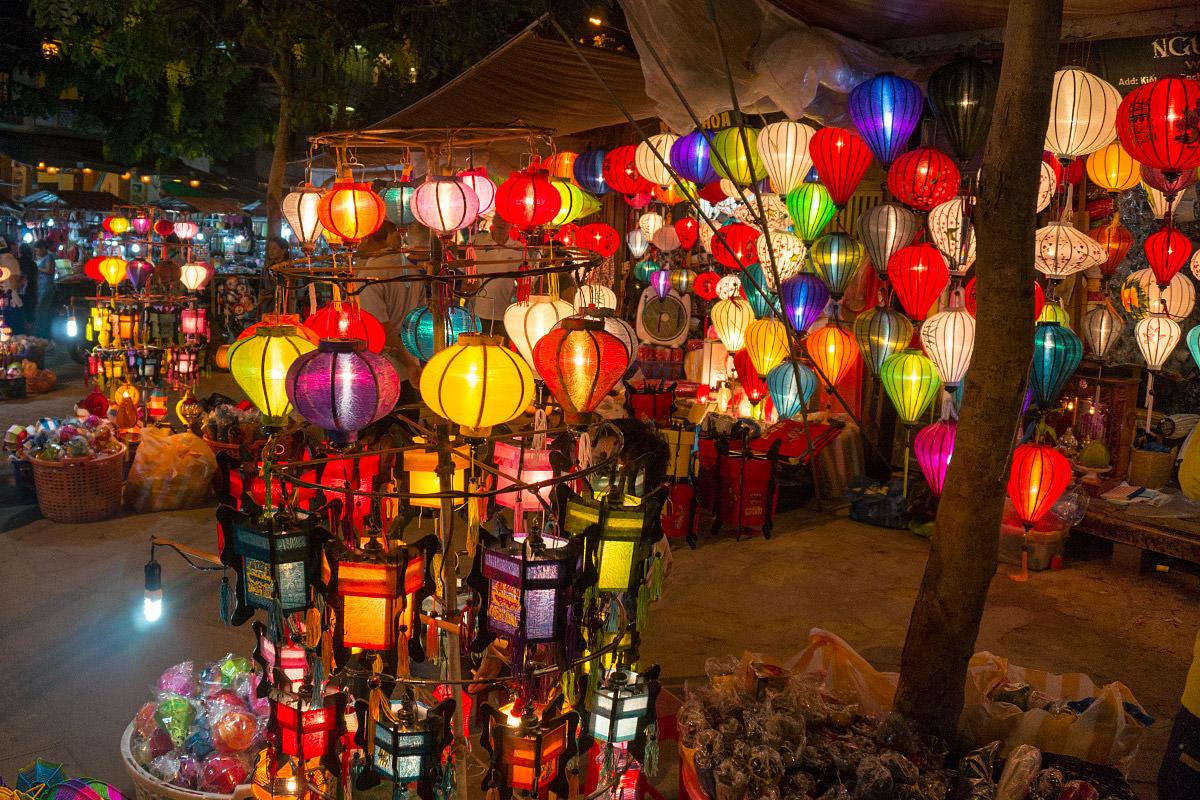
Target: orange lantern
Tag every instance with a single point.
(351, 211)
(374, 588)
(833, 351)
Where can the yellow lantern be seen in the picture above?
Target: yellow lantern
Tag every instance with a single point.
(833, 351)
(573, 201)
(477, 383)
(421, 466)
(113, 270)
(127, 327)
(731, 317)
(126, 390)
(1113, 169)
(767, 343)
(100, 325)
(260, 366)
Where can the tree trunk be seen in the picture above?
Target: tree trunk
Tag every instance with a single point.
(962, 559)
(283, 75)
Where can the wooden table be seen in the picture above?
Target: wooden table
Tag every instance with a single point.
(1167, 536)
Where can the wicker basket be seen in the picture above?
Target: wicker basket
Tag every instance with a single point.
(79, 489)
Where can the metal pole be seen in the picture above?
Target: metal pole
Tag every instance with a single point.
(445, 472)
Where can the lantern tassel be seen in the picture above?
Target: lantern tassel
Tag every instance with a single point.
(432, 641)
(613, 623)
(1023, 575)
(643, 606)
(657, 577)
(650, 757)
(1149, 398)
(226, 600)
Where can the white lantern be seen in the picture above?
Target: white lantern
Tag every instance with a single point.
(186, 230)
(1083, 113)
(789, 253)
(1158, 201)
(444, 204)
(1157, 335)
(1102, 329)
(885, 228)
(949, 340)
(1194, 266)
(594, 295)
(1141, 295)
(527, 322)
(1061, 250)
(783, 150)
(665, 239)
(650, 223)
(728, 286)
(648, 165)
(953, 233)
(612, 324)
(193, 275)
(1047, 186)
(706, 234)
(637, 242)
(300, 211)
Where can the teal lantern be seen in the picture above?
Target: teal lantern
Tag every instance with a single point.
(811, 208)
(911, 382)
(881, 333)
(754, 284)
(788, 396)
(622, 705)
(1056, 354)
(1193, 343)
(397, 204)
(418, 327)
(837, 258)
(643, 270)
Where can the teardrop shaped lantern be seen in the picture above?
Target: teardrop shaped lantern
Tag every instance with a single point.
(767, 343)
(621, 174)
(1038, 477)
(1156, 335)
(528, 199)
(260, 366)
(660, 281)
(478, 181)
(788, 397)
(1167, 251)
(837, 258)
(195, 274)
(1061, 250)
(833, 352)
(648, 164)
(923, 178)
(445, 204)
(730, 159)
(754, 286)
(804, 299)
(911, 382)
(783, 149)
(113, 270)
(880, 333)
(301, 210)
(1056, 355)
(528, 321)
(1083, 114)
(952, 231)
(1112, 169)
(789, 252)
(841, 159)
(342, 387)
(1159, 205)
(1157, 123)
(1193, 343)
(650, 223)
(419, 329)
(735, 247)
(580, 362)
(811, 208)
(138, 270)
(949, 340)
(477, 383)
(884, 229)
(885, 110)
(688, 231)
(962, 95)
(1116, 241)
(637, 242)
(691, 157)
(934, 446)
(351, 210)
(588, 170)
(918, 274)
(730, 318)
(1102, 328)
(613, 324)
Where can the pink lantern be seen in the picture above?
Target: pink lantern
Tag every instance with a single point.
(186, 230)
(141, 225)
(194, 322)
(934, 444)
(445, 204)
(185, 362)
(527, 466)
(479, 182)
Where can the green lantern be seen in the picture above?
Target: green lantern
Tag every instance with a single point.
(911, 382)
(644, 269)
(837, 258)
(1193, 343)
(729, 156)
(811, 207)
(1054, 312)
(881, 333)
(574, 202)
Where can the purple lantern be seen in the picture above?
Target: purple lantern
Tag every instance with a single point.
(934, 445)
(138, 270)
(342, 387)
(661, 281)
(804, 298)
(886, 110)
(690, 157)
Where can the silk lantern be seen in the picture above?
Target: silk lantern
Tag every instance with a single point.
(735, 155)
(650, 223)
(885, 110)
(637, 243)
(911, 382)
(477, 383)
(962, 95)
(1061, 250)
(445, 204)
(112, 269)
(1194, 266)
(833, 352)
(789, 252)
(753, 386)
(1167, 251)
(598, 238)
(880, 333)
(138, 270)
(923, 178)
(687, 229)
(477, 181)
(811, 208)
(643, 270)
(783, 150)
(520, 465)
(837, 258)
(650, 166)
(952, 231)
(1193, 343)
(1157, 123)
(301, 209)
(1156, 335)
(260, 366)
(351, 210)
(934, 446)
(372, 588)
(1083, 113)
(660, 281)
(804, 299)
(1038, 477)
(788, 397)
(1056, 355)
(1047, 186)
(613, 324)
(1112, 169)
(736, 245)
(841, 159)
(918, 274)
(691, 157)
(620, 171)
(345, 320)
(397, 203)
(580, 362)
(594, 295)
(588, 170)
(528, 321)
(884, 229)
(1159, 205)
(186, 230)
(949, 340)
(528, 199)
(730, 318)
(767, 343)
(1102, 328)
(1116, 241)
(1169, 183)
(420, 328)
(342, 387)
(195, 274)
(681, 280)
(571, 202)
(1054, 312)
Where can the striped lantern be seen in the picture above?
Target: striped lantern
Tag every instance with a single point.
(833, 351)
(1083, 114)
(841, 159)
(783, 150)
(923, 178)
(730, 318)
(648, 164)
(588, 171)
(934, 445)
(444, 204)
(768, 344)
(911, 382)
(1039, 475)
(1167, 251)
(1113, 169)
(300, 209)
(837, 258)
(884, 229)
(1056, 354)
(962, 95)
(1102, 328)
(880, 333)
(804, 299)
(811, 208)
(729, 155)
(918, 274)
(691, 157)
(1061, 250)
(1156, 335)
(1116, 241)
(949, 340)
(1157, 123)
(788, 397)
(886, 109)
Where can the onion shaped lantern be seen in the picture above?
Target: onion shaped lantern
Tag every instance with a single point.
(528, 199)
(880, 333)
(1083, 113)
(351, 210)
(841, 159)
(1062, 250)
(952, 232)
(588, 170)
(691, 157)
(345, 320)
(949, 340)
(837, 258)
(833, 351)
(1167, 251)
(477, 383)
(804, 299)
(1055, 312)
(923, 178)
(580, 362)
(918, 274)
(418, 329)
(767, 343)
(934, 445)
(1116, 241)
(186, 229)
(397, 203)
(260, 366)
(885, 110)
(1113, 169)
(911, 382)
(1056, 355)
(445, 204)
(1193, 343)
(729, 155)
(1102, 328)
(753, 386)
(962, 95)
(1157, 123)
(648, 164)
(138, 270)
(788, 397)
(477, 181)
(811, 208)
(528, 321)
(789, 252)
(113, 270)
(620, 171)
(1156, 335)
(736, 245)
(195, 274)
(783, 150)
(1038, 477)
(884, 229)
(275, 320)
(730, 318)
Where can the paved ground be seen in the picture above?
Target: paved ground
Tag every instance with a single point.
(78, 662)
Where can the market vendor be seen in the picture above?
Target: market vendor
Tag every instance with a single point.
(14, 314)
(1179, 776)
(493, 255)
(46, 287)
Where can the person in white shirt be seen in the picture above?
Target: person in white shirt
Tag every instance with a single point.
(494, 297)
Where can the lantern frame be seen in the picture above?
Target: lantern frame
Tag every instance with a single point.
(621, 706)
(373, 589)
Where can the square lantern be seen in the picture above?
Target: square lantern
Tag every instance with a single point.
(114, 365)
(289, 659)
(620, 706)
(621, 551)
(270, 556)
(302, 729)
(528, 592)
(526, 466)
(185, 362)
(127, 327)
(194, 322)
(372, 587)
(421, 466)
(407, 748)
(530, 751)
(150, 363)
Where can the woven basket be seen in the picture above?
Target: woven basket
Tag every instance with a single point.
(79, 489)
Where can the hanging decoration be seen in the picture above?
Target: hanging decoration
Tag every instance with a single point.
(1156, 336)
(1170, 184)
(911, 382)
(1141, 295)
(351, 211)
(1083, 113)
(528, 199)
(588, 170)
(1039, 475)
(884, 229)
(885, 110)
(687, 229)
(419, 329)
(648, 164)
(837, 258)
(962, 95)
(1167, 251)
(730, 159)
(923, 178)
(620, 172)
(528, 321)
(952, 231)
(1061, 250)
(934, 446)
(1056, 355)
(580, 362)
(736, 247)
(1102, 327)
(1113, 169)
(767, 342)
(788, 397)
(880, 333)
(804, 299)
(918, 274)
(479, 182)
(833, 351)
(1116, 241)
(730, 318)
(949, 340)
(445, 204)
(476, 383)
(841, 159)
(789, 252)
(301, 209)
(1156, 123)
(260, 366)
(811, 207)
(342, 387)
(783, 150)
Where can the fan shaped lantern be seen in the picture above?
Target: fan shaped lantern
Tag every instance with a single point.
(194, 275)
(737, 161)
(419, 330)
(804, 299)
(598, 238)
(948, 338)
(621, 174)
(588, 170)
(478, 181)
(691, 157)
(1169, 183)
(934, 446)
(1116, 241)
(351, 210)
(186, 230)
(1062, 250)
(788, 397)
(841, 159)
(833, 352)
(260, 365)
(688, 231)
(811, 208)
(911, 382)
(301, 210)
(953, 232)
(1083, 114)
(342, 388)
(735, 247)
(837, 258)
(528, 321)
(1038, 477)
(1156, 335)
(1112, 169)
(637, 242)
(580, 362)
(477, 383)
(885, 110)
(884, 229)
(397, 203)
(1056, 355)
(918, 274)
(768, 344)
(445, 204)
(1102, 330)
(528, 199)
(783, 150)
(648, 164)
(1167, 251)
(880, 333)
(730, 318)
(962, 95)
(343, 320)
(1157, 123)
(923, 178)
(789, 252)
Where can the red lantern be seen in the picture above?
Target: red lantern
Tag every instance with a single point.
(1167, 252)
(164, 227)
(918, 273)
(1116, 241)
(1039, 298)
(752, 383)
(1063, 174)
(736, 246)
(1159, 126)
(621, 174)
(567, 235)
(351, 211)
(1169, 184)
(1039, 475)
(713, 193)
(528, 199)
(923, 178)
(580, 362)
(304, 731)
(688, 231)
(599, 238)
(841, 159)
(91, 268)
(340, 320)
(705, 285)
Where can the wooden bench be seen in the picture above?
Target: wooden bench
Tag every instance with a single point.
(1164, 536)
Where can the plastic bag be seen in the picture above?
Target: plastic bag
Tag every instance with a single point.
(975, 774)
(873, 780)
(169, 472)
(846, 671)
(1023, 764)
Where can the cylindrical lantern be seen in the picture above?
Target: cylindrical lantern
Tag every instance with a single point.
(345, 320)
(1083, 113)
(528, 199)
(952, 231)
(1056, 354)
(934, 445)
(648, 164)
(884, 229)
(1156, 335)
(837, 258)
(342, 387)
(477, 383)
(445, 204)
(833, 352)
(768, 345)
(811, 208)
(580, 362)
(620, 172)
(1157, 123)
(194, 275)
(841, 159)
(527, 322)
(1112, 169)
(691, 157)
(1116, 241)
(194, 322)
(923, 178)
(880, 333)
(886, 109)
(351, 210)
(949, 340)
(1062, 250)
(918, 274)
(301, 210)
(588, 170)
(1102, 330)
(788, 397)
(911, 382)
(1167, 251)
(477, 181)
(730, 318)
(418, 330)
(783, 150)
(962, 95)
(1039, 475)
(735, 156)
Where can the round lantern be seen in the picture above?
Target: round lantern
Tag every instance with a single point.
(528, 199)
(165, 228)
(911, 382)
(194, 275)
(934, 445)
(705, 285)
(477, 383)
(681, 280)
(571, 202)
(952, 232)
(116, 225)
(1112, 169)
(419, 329)
(1056, 354)
(691, 157)
(1194, 266)
(804, 299)
(1116, 241)
(1061, 250)
(730, 318)
(643, 270)
(833, 352)
(1157, 123)
(138, 270)
(141, 225)
(1083, 112)
(735, 246)
(580, 362)
(737, 160)
(588, 170)
(351, 210)
(301, 210)
(811, 208)
(841, 159)
(1169, 183)
(477, 181)
(688, 230)
(1038, 477)
(1167, 251)
(949, 340)
(649, 165)
(528, 321)
(397, 203)
(594, 295)
(445, 204)
(112, 269)
(918, 274)
(1102, 330)
(598, 238)
(880, 333)
(923, 178)
(620, 171)
(885, 111)
(260, 366)
(791, 398)
(767, 343)
(342, 388)
(91, 268)
(783, 150)
(884, 229)
(186, 230)
(962, 95)
(789, 252)
(1156, 335)
(837, 258)
(343, 320)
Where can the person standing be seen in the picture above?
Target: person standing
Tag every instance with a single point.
(492, 256)
(47, 288)
(30, 271)
(1179, 774)
(14, 314)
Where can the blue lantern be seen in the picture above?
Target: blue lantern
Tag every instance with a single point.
(690, 157)
(1056, 354)
(589, 172)
(837, 258)
(763, 302)
(1193, 343)
(417, 329)
(886, 110)
(804, 298)
(397, 204)
(788, 397)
